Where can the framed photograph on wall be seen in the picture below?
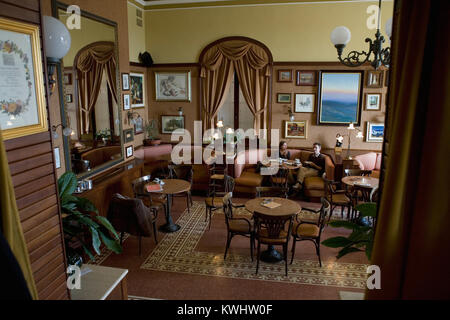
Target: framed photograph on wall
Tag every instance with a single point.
(374, 79)
(339, 98)
(22, 99)
(295, 129)
(284, 75)
(129, 151)
(304, 102)
(284, 98)
(126, 102)
(170, 123)
(128, 135)
(138, 125)
(375, 132)
(305, 78)
(125, 81)
(67, 79)
(137, 87)
(373, 101)
(173, 86)
(69, 98)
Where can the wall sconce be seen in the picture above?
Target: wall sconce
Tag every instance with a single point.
(66, 131)
(340, 138)
(291, 113)
(57, 43)
(180, 111)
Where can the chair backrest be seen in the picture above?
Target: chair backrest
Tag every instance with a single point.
(130, 215)
(274, 225)
(325, 210)
(357, 172)
(280, 179)
(138, 185)
(270, 191)
(228, 206)
(182, 171)
(374, 194)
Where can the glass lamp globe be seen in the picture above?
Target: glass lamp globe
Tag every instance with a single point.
(340, 35)
(67, 132)
(219, 124)
(388, 28)
(56, 37)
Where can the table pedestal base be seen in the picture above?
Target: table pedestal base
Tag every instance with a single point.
(169, 227)
(271, 255)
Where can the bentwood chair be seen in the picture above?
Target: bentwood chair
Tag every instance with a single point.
(270, 192)
(280, 180)
(272, 230)
(214, 201)
(311, 231)
(357, 172)
(337, 198)
(183, 172)
(151, 200)
(237, 225)
(132, 216)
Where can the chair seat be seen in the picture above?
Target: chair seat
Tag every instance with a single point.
(264, 237)
(218, 176)
(217, 202)
(238, 225)
(279, 180)
(340, 198)
(305, 230)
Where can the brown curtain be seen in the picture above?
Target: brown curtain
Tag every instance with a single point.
(91, 63)
(253, 68)
(412, 239)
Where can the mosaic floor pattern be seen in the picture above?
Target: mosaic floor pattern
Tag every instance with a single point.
(177, 252)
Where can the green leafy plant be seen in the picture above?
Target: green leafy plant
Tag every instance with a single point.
(79, 216)
(361, 238)
(103, 134)
(151, 129)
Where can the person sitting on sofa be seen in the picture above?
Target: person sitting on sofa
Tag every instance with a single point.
(314, 166)
(283, 150)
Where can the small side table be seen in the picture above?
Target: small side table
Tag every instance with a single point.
(98, 283)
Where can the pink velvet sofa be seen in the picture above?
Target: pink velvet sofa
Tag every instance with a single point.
(370, 161)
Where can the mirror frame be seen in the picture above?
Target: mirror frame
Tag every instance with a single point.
(56, 5)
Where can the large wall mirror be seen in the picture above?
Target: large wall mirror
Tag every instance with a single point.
(89, 76)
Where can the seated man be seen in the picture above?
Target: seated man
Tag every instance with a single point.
(315, 166)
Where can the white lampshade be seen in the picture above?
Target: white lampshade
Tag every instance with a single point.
(359, 135)
(340, 35)
(388, 28)
(350, 126)
(56, 38)
(219, 124)
(230, 131)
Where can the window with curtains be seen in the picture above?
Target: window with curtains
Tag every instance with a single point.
(235, 112)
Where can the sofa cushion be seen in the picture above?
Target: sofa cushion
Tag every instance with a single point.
(366, 161)
(314, 183)
(249, 179)
(246, 159)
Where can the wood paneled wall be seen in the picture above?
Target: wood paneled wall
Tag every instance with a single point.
(31, 163)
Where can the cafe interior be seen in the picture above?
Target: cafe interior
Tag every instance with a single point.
(224, 150)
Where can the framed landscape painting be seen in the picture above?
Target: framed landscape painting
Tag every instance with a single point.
(170, 123)
(295, 129)
(340, 95)
(137, 90)
(22, 99)
(375, 132)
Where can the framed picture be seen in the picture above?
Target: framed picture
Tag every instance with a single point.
(386, 77)
(126, 102)
(173, 86)
(373, 101)
(138, 125)
(295, 129)
(374, 79)
(305, 78)
(69, 98)
(125, 81)
(22, 99)
(340, 96)
(284, 75)
(129, 151)
(283, 97)
(375, 132)
(304, 102)
(171, 123)
(57, 158)
(128, 135)
(137, 87)
(67, 79)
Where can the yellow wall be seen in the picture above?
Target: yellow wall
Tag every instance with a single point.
(297, 32)
(136, 34)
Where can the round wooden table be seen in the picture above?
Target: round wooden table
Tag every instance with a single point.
(169, 188)
(287, 207)
(368, 182)
(291, 165)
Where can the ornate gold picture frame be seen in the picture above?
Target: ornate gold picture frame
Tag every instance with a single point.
(22, 99)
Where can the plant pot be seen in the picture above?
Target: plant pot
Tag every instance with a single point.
(155, 142)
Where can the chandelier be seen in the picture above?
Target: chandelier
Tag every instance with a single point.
(340, 36)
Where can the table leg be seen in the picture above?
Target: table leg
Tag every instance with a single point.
(271, 255)
(124, 288)
(169, 226)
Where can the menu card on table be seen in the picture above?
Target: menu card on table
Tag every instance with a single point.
(270, 204)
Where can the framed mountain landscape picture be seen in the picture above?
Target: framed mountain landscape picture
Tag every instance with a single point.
(340, 95)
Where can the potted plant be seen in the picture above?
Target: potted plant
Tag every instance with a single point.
(104, 134)
(151, 130)
(80, 218)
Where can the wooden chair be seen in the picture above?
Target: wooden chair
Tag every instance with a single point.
(151, 200)
(132, 216)
(369, 195)
(357, 172)
(183, 172)
(237, 225)
(214, 201)
(311, 231)
(272, 230)
(271, 192)
(337, 198)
